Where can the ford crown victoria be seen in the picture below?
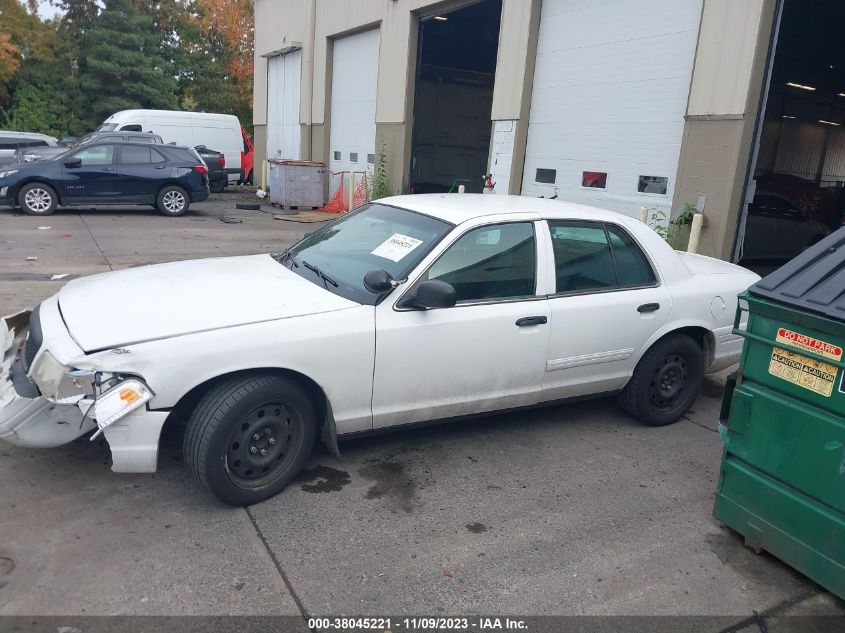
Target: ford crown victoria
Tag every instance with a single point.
(409, 310)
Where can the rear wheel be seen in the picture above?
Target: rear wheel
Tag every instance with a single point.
(36, 198)
(218, 186)
(173, 201)
(666, 381)
(249, 437)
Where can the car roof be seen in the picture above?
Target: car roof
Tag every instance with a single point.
(458, 208)
(32, 135)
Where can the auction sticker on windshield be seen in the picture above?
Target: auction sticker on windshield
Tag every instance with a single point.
(396, 247)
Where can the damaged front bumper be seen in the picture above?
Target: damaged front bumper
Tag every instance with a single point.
(44, 403)
(26, 417)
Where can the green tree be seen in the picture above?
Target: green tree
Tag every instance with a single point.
(121, 64)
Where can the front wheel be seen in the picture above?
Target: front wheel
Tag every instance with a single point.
(249, 437)
(173, 201)
(37, 198)
(666, 381)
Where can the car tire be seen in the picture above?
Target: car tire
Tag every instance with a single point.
(218, 186)
(665, 382)
(173, 201)
(36, 198)
(220, 448)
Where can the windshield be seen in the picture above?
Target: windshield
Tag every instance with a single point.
(107, 127)
(376, 236)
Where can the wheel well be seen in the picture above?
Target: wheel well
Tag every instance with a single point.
(702, 336)
(182, 410)
(40, 181)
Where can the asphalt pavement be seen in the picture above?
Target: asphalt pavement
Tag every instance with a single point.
(568, 510)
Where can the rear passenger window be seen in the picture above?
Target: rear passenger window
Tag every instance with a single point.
(583, 259)
(632, 266)
(134, 127)
(593, 256)
(490, 262)
(132, 155)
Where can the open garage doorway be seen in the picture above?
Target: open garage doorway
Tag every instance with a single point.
(796, 190)
(453, 97)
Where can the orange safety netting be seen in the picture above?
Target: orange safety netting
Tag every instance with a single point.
(339, 200)
(362, 193)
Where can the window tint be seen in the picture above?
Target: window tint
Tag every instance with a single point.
(133, 155)
(182, 154)
(632, 267)
(20, 143)
(134, 127)
(142, 139)
(99, 155)
(583, 260)
(490, 262)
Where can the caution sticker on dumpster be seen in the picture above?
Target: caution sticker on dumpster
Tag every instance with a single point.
(808, 373)
(808, 344)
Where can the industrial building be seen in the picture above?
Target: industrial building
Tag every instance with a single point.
(733, 106)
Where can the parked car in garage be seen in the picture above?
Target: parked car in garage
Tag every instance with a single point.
(45, 153)
(408, 310)
(166, 176)
(216, 163)
(777, 229)
(11, 142)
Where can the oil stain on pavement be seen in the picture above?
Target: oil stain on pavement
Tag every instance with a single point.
(321, 479)
(391, 483)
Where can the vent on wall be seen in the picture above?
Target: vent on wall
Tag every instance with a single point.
(337, 155)
(546, 176)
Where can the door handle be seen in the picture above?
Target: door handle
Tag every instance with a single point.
(108, 168)
(161, 166)
(648, 307)
(534, 320)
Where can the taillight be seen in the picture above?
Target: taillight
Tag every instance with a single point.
(222, 161)
(200, 169)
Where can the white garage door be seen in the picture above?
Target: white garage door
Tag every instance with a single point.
(610, 92)
(352, 137)
(283, 77)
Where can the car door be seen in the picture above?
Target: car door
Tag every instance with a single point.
(140, 170)
(607, 303)
(93, 178)
(485, 353)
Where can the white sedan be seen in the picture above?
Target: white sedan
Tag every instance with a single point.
(409, 310)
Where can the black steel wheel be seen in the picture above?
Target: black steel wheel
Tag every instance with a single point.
(249, 437)
(665, 382)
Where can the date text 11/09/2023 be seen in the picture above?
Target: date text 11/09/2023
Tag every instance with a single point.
(416, 624)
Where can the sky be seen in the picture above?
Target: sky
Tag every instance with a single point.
(45, 10)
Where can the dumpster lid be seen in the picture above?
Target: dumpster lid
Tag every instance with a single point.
(813, 281)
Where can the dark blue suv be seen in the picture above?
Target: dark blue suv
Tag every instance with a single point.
(166, 176)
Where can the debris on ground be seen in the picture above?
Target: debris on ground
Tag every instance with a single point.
(44, 228)
(227, 220)
(66, 235)
(261, 193)
(59, 276)
(31, 258)
(248, 206)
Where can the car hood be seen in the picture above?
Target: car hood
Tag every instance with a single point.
(166, 300)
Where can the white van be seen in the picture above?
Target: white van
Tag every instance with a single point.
(221, 132)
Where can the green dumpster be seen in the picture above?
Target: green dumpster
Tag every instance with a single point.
(782, 479)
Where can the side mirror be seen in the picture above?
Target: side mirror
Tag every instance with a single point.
(434, 294)
(74, 161)
(379, 281)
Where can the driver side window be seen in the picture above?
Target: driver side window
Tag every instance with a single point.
(492, 262)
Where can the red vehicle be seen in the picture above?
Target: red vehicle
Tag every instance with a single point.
(247, 159)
